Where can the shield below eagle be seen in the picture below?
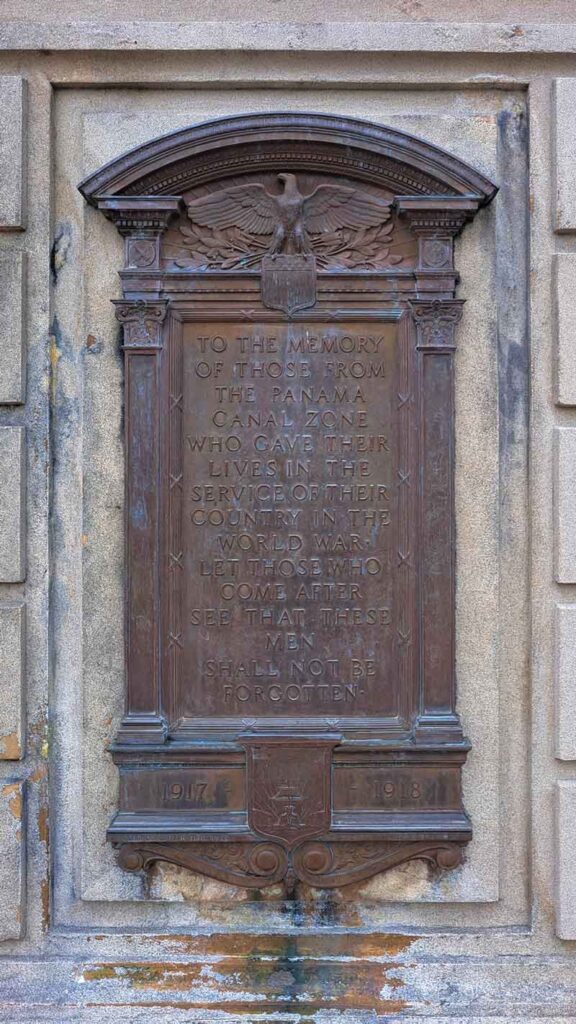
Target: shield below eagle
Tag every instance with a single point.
(288, 282)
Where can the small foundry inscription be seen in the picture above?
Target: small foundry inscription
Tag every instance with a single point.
(289, 519)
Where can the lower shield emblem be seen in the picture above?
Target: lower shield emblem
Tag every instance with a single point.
(289, 787)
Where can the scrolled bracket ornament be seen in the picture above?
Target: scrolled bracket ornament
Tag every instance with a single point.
(249, 865)
(319, 864)
(327, 865)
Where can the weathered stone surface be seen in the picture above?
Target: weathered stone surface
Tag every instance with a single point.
(480, 961)
(564, 506)
(12, 504)
(12, 859)
(565, 327)
(12, 633)
(12, 288)
(12, 150)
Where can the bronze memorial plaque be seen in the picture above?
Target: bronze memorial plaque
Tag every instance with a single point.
(289, 324)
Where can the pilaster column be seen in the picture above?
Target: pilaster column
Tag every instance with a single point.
(142, 324)
(435, 323)
(142, 220)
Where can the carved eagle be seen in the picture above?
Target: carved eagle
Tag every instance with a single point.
(289, 216)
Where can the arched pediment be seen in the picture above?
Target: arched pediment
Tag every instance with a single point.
(322, 143)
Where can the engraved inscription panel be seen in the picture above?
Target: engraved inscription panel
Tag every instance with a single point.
(291, 566)
(184, 789)
(396, 788)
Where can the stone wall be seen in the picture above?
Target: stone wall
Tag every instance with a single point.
(83, 941)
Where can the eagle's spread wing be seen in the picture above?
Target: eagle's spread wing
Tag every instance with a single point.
(335, 206)
(249, 207)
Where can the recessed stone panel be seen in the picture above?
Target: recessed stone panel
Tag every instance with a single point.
(12, 627)
(565, 673)
(565, 327)
(12, 287)
(476, 882)
(565, 154)
(565, 860)
(12, 152)
(564, 507)
(12, 860)
(12, 504)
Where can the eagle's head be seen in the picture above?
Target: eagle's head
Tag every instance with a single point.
(288, 180)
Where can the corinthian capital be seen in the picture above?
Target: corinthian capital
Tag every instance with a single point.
(142, 322)
(435, 321)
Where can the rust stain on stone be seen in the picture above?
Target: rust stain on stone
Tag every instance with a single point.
(43, 830)
(38, 733)
(54, 355)
(10, 748)
(38, 774)
(283, 982)
(252, 947)
(304, 1009)
(144, 974)
(362, 946)
(45, 899)
(14, 793)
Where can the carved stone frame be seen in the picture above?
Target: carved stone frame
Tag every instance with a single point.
(434, 196)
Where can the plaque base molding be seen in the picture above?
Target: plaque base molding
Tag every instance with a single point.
(293, 809)
(322, 864)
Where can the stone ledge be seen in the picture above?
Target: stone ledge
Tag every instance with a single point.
(380, 37)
